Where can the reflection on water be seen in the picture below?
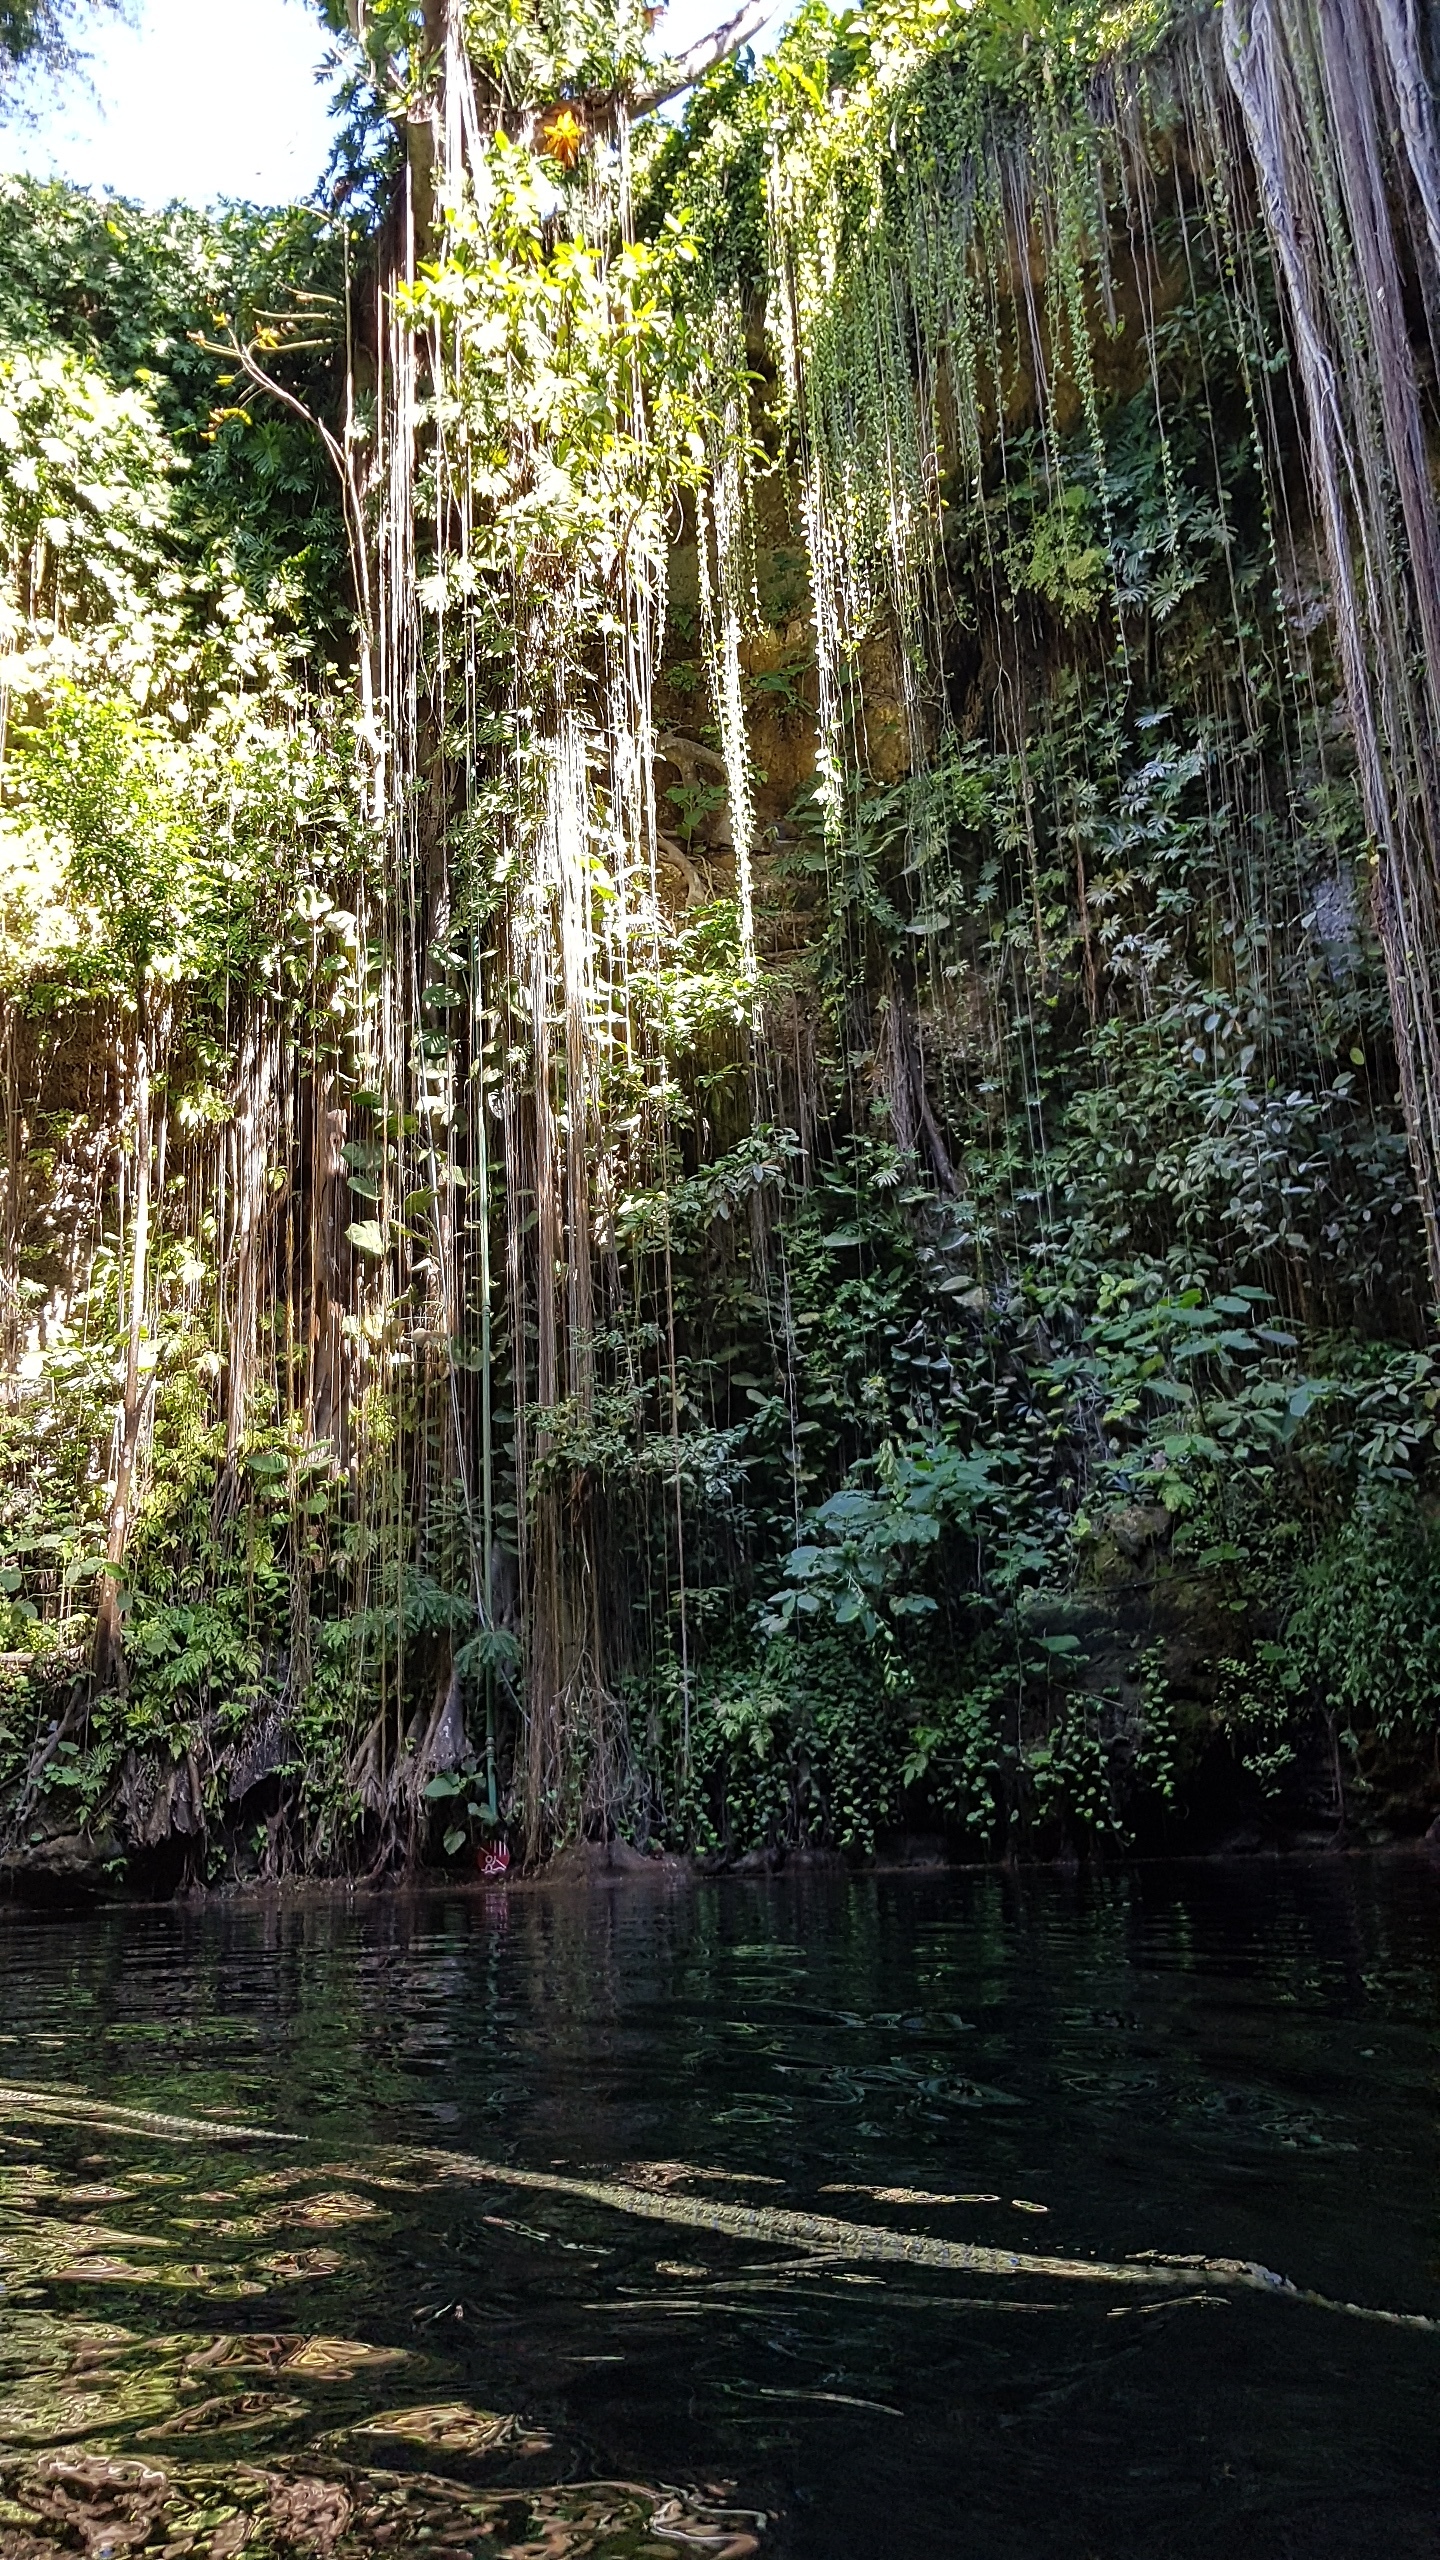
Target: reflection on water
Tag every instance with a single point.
(847, 2219)
(76, 2395)
(108, 2505)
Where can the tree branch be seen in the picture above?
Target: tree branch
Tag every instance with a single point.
(339, 454)
(684, 69)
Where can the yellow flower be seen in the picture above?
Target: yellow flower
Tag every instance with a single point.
(562, 135)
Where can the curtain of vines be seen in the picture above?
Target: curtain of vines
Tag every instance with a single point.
(985, 879)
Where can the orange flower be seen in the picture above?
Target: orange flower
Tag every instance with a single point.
(562, 135)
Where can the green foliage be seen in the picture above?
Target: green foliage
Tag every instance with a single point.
(1364, 1632)
(128, 306)
(576, 394)
(806, 1748)
(866, 1542)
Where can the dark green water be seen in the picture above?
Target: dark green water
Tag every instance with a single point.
(1234, 2061)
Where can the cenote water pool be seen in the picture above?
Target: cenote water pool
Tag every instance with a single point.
(358, 2340)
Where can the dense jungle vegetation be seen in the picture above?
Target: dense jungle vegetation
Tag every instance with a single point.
(719, 951)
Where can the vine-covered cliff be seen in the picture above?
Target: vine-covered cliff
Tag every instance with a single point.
(718, 954)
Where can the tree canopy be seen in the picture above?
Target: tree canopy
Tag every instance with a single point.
(45, 36)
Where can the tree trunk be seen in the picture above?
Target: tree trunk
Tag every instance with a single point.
(108, 1657)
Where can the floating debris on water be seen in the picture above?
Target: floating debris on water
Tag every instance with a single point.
(73, 2107)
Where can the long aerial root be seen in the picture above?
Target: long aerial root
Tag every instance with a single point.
(823, 2234)
(62, 2106)
(817, 2234)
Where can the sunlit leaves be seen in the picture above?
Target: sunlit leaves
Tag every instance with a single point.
(571, 406)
